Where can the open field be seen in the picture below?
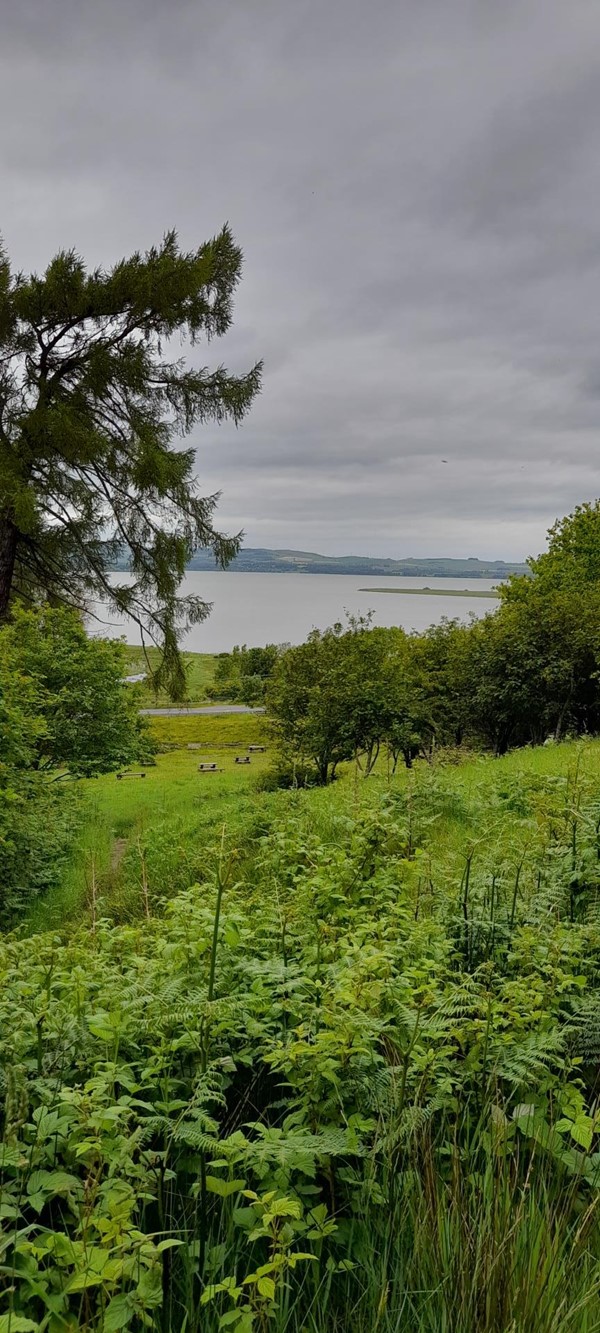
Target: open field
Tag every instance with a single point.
(174, 802)
(216, 730)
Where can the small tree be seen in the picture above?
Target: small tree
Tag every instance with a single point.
(443, 663)
(81, 718)
(306, 702)
(36, 825)
(91, 408)
(342, 693)
(243, 673)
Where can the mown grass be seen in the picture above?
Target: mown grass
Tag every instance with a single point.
(216, 730)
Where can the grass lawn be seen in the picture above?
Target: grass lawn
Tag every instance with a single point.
(225, 729)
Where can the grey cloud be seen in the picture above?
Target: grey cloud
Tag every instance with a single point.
(415, 184)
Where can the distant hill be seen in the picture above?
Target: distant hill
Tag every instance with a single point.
(258, 560)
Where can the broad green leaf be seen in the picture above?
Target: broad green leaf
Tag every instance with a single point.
(118, 1314)
(81, 1281)
(582, 1131)
(224, 1188)
(17, 1323)
(12, 1156)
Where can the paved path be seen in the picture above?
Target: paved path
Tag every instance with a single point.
(211, 710)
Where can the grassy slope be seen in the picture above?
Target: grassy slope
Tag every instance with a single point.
(200, 674)
(118, 813)
(472, 803)
(237, 729)
(454, 1220)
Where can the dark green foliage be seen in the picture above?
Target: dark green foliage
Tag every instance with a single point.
(343, 694)
(37, 827)
(36, 823)
(526, 673)
(91, 408)
(286, 774)
(242, 675)
(85, 721)
(63, 712)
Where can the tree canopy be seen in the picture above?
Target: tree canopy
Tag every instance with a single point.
(81, 718)
(64, 712)
(527, 672)
(342, 694)
(93, 406)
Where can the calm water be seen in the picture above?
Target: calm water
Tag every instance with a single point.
(283, 608)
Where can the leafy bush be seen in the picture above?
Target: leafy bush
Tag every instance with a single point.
(284, 775)
(63, 711)
(89, 722)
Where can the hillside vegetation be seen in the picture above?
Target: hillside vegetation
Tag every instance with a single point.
(257, 561)
(321, 1059)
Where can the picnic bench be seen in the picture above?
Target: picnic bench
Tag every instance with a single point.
(242, 758)
(120, 776)
(208, 768)
(256, 749)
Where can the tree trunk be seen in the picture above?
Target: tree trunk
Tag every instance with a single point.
(372, 757)
(8, 553)
(561, 717)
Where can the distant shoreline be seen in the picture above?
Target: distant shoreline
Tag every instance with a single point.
(437, 592)
(261, 560)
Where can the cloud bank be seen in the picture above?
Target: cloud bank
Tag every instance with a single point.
(415, 185)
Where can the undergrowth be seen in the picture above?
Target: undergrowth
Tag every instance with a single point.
(347, 1080)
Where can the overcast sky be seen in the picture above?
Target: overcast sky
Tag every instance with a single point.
(416, 188)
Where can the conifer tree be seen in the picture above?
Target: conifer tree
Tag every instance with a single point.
(93, 407)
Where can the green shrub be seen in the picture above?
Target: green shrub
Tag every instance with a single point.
(286, 774)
